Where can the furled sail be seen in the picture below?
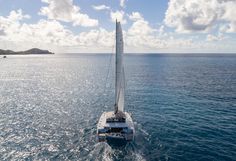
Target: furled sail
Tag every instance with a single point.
(120, 75)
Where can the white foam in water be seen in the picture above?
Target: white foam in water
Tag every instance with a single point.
(101, 151)
(144, 132)
(138, 157)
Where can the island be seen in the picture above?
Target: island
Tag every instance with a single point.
(27, 52)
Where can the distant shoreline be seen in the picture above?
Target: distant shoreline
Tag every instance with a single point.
(33, 51)
(159, 54)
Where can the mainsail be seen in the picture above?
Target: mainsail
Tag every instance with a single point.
(120, 75)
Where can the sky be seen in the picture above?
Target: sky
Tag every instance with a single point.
(149, 26)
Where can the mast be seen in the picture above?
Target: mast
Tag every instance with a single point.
(119, 80)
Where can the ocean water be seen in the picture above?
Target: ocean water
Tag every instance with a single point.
(184, 107)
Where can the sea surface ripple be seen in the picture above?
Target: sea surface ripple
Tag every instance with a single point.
(184, 107)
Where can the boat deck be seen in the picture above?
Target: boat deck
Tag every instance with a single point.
(115, 129)
(106, 115)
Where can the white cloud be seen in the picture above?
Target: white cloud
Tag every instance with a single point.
(142, 37)
(119, 16)
(218, 37)
(228, 28)
(15, 34)
(140, 27)
(43, 33)
(141, 34)
(2, 32)
(135, 16)
(201, 15)
(17, 15)
(101, 7)
(161, 30)
(122, 3)
(11, 23)
(100, 37)
(64, 10)
(49, 34)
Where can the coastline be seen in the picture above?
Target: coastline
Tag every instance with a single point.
(33, 51)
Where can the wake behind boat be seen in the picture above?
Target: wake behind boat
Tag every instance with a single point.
(117, 125)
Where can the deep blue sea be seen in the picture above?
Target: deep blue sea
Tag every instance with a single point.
(183, 106)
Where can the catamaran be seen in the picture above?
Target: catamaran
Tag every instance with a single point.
(118, 124)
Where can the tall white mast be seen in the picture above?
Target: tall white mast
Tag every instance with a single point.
(119, 81)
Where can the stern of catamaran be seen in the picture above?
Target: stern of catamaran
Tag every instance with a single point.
(116, 127)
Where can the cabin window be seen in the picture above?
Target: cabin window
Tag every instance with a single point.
(110, 120)
(116, 130)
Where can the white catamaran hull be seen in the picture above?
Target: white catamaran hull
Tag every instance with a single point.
(115, 130)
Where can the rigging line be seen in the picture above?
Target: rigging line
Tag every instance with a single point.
(109, 68)
(108, 71)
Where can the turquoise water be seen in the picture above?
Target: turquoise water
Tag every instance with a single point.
(184, 107)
